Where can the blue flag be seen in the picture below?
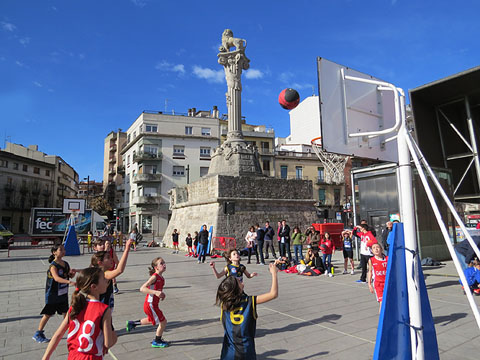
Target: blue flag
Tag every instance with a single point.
(393, 333)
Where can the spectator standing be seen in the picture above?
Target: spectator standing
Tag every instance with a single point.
(297, 240)
(269, 235)
(366, 241)
(328, 249)
(260, 240)
(175, 241)
(251, 245)
(285, 240)
(385, 233)
(347, 251)
(202, 244)
(133, 237)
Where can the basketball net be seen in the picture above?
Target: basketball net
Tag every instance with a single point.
(333, 164)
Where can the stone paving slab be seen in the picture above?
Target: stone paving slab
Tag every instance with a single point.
(313, 318)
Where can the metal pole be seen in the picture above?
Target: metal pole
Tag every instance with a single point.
(354, 212)
(88, 188)
(188, 174)
(407, 214)
(472, 139)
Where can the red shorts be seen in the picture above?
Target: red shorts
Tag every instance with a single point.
(175, 243)
(378, 287)
(154, 314)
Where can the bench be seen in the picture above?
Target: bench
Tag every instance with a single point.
(28, 242)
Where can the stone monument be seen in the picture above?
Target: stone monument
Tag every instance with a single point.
(235, 177)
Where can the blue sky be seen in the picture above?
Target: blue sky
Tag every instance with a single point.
(72, 71)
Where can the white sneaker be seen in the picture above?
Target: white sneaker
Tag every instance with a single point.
(330, 275)
(352, 272)
(326, 272)
(345, 272)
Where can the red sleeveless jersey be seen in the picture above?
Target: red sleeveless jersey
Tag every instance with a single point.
(85, 333)
(379, 268)
(157, 285)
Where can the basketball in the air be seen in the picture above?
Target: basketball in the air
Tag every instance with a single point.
(289, 99)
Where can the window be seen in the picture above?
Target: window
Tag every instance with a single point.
(150, 169)
(336, 196)
(356, 163)
(283, 171)
(3, 163)
(188, 130)
(134, 134)
(15, 166)
(299, 172)
(205, 152)
(321, 196)
(178, 150)
(36, 170)
(128, 138)
(128, 160)
(47, 172)
(178, 171)
(320, 174)
(265, 145)
(266, 165)
(25, 167)
(150, 128)
(203, 171)
(206, 131)
(149, 149)
(150, 191)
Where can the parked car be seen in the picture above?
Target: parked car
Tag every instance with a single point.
(5, 235)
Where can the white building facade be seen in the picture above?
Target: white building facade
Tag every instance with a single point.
(164, 151)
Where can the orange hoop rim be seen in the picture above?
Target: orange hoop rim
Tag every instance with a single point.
(316, 141)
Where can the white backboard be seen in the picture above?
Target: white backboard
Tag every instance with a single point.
(72, 205)
(348, 107)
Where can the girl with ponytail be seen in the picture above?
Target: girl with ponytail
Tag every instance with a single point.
(56, 289)
(88, 321)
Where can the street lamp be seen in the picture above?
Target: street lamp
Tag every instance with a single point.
(88, 187)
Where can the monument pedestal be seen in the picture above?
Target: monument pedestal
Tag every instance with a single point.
(256, 199)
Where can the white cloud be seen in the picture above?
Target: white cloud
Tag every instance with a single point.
(37, 84)
(286, 77)
(253, 74)
(299, 86)
(139, 3)
(8, 26)
(166, 66)
(19, 63)
(24, 41)
(216, 76)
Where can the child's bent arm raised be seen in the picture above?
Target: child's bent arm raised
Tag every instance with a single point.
(274, 289)
(110, 335)
(109, 275)
(217, 274)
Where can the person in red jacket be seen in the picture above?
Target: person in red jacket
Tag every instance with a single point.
(328, 249)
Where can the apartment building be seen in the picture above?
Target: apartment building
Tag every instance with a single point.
(30, 178)
(114, 169)
(163, 151)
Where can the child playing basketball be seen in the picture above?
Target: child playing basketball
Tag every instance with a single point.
(377, 270)
(89, 322)
(56, 290)
(233, 267)
(154, 290)
(239, 316)
(113, 254)
(188, 242)
(104, 261)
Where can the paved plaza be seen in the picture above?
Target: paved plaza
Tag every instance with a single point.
(313, 317)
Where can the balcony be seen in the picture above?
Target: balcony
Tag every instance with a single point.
(149, 199)
(320, 180)
(113, 148)
(140, 178)
(146, 156)
(264, 151)
(121, 169)
(112, 171)
(112, 160)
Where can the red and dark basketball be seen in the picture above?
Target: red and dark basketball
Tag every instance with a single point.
(289, 99)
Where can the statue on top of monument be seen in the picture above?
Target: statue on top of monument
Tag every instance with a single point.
(228, 41)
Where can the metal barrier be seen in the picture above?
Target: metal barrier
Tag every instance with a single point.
(222, 243)
(28, 242)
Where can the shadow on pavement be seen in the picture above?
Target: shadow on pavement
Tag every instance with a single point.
(20, 318)
(313, 356)
(443, 284)
(272, 354)
(448, 319)
(292, 327)
(170, 325)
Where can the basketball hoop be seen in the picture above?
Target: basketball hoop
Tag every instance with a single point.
(333, 164)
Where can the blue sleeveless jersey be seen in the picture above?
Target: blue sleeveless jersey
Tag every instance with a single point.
(56, 293)
(236, 271)
(240, 325)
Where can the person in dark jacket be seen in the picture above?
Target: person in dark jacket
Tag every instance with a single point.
(284, 235)
(385, 233)
(465, 252)
(269, 235)
(260, 239)
(202, 244)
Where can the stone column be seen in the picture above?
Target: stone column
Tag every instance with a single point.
(234, 62)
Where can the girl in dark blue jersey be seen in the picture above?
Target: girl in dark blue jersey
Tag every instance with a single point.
(233, 267)
(239, 316)
(56, 289)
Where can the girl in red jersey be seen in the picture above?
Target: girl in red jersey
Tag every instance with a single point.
(153, 288)
(377, 270)
(89, 322)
